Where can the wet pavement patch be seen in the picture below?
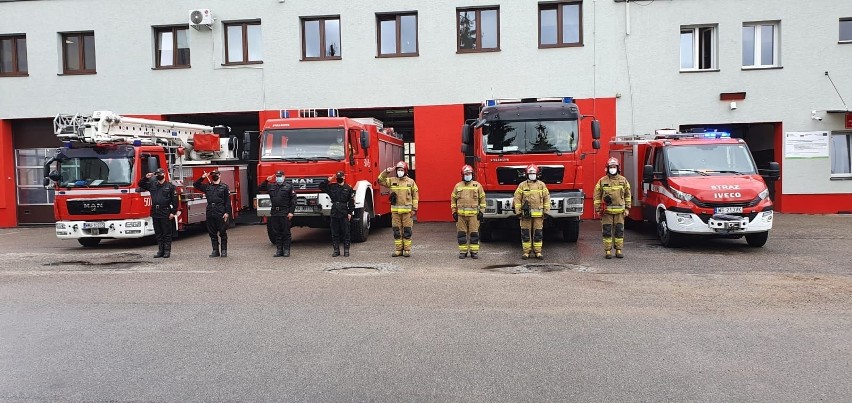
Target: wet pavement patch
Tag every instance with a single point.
(122, 261)
(535, 268)
(361, 269)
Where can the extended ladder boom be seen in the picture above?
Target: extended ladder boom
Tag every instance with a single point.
(108, 127)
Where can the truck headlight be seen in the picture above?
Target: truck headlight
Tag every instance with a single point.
(764, 194)
(682, 195)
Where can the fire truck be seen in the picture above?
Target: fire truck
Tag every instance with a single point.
(510, 134)
(310, 148)
(697, 184)
(104, 155)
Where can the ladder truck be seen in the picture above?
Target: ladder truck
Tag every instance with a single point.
(104, 155)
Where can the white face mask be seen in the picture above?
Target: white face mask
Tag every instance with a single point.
(468, 177)
(612, 170)
(533, 177)
(400, 173)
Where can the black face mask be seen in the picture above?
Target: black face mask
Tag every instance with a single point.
(161, 177)
(339, 180)
(215, 177)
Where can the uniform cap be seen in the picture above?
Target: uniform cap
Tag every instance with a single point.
(215, 172)
(340, 174)
(160, 171)
(279, 173)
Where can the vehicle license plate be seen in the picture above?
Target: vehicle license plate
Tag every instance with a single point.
(728, 210)
(305, 209)
(87, 225)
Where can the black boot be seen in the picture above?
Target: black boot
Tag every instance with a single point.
(224, 248)
(346, 249)
(159, 250)
(279, 251)
(287, 250)
(215, 249)
(336, 246)
(167, 250)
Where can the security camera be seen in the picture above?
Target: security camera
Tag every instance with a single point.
(814, 116)
(733, 105)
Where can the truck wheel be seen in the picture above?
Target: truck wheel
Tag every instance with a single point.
(269, 233)
(757, 240)
(571, 231)
(667, 238)
(361, 222)
(89, 242)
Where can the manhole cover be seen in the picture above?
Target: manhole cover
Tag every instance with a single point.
(361, 269)
(535, 268)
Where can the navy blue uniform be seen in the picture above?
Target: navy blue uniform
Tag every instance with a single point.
(218, 204)
(163, 202)
(283, 199)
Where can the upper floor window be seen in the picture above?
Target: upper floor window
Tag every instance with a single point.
(846, 30)
(243, 43)
(478, 29)
(698, 48)
(397, 34)
(13, 55)
(78, 53)
(172, 47)
(560, 24)
(760, 44)
(321, 38)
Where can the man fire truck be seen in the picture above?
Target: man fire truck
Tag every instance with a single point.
(696, 184)
(508, 136)
(95, 173)
(309, 149)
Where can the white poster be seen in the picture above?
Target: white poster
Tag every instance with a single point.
(806, 144)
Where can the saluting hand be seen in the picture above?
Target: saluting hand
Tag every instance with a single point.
(149, 175)
(204, 175)
(389, 170)
(270, 178)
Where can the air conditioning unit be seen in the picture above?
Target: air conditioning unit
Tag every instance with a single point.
(201, 18)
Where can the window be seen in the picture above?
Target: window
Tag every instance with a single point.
(172, 47)
(478, 29)
(78, 53)
(13, 55)
(846, 30)
(698, 48)
(397, 34)
(760, 44)
(560, 24)
(243, 44)
(841, 154)
(321, 38)
(30, 174)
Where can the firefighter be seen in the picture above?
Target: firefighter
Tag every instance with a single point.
(342, 208)
(218, 210)
(532, 200)
(467, 203)
(164, 205)
(283, 198)
(614, 191)
(403, 199)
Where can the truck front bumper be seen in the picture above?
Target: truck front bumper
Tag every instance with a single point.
(719, 224)
(136, 228)
(562, 205)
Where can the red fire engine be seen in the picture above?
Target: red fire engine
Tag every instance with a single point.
(309, 149)
(105, 155)
(696, 184)
(511, 134)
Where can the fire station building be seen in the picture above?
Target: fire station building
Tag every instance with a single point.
(775, 73)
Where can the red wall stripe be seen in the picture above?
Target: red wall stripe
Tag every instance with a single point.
(8, 201)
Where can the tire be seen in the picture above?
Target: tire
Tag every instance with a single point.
(667, 238)
(361, 225)
(89, 242)
(571, 231)
(757, 240)
(269, 233)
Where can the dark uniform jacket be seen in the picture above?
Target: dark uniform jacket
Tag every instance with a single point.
(342, 198)
(163, 197)
(283, 197)
(218, 197)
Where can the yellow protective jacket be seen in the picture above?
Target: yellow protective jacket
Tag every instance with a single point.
(618, 189)
(536, 195)
(467, 198)
(405, 190)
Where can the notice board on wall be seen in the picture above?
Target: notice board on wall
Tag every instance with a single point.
(800, 145)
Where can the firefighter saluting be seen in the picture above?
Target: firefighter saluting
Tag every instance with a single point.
(342, 208)
(283, 198)
(614, 190)
(163, 209)
(218, 210)
(468, 203)
(403, 199)
(532, 200)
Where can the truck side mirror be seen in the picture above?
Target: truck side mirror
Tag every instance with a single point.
(648, 173)
(365, 139)
(151, 163)
(596, 129)
(466, 135)
(773, 173)
(596, 144)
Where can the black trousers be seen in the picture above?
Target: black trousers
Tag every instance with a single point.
(339, 228)
(280, 226)
(163, 228)
(217, 228)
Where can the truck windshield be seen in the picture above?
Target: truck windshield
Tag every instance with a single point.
(95, 167)
(303, 144)
(530, 137)
(709, 159)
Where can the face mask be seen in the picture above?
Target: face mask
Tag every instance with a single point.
(400, 174)
(161, 177)
(533, 177)
(215, 178)
(467, 178)
(612, 171)
(279, 179)
(339, 180)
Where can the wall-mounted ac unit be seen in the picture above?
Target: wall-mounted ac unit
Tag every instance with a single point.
(201, 18)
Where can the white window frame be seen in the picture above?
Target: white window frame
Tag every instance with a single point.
(776, 48)
(696, 47)
(49, 193)
(848, 134)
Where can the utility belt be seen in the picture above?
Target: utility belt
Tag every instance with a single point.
(277, 208)
(162, 206)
